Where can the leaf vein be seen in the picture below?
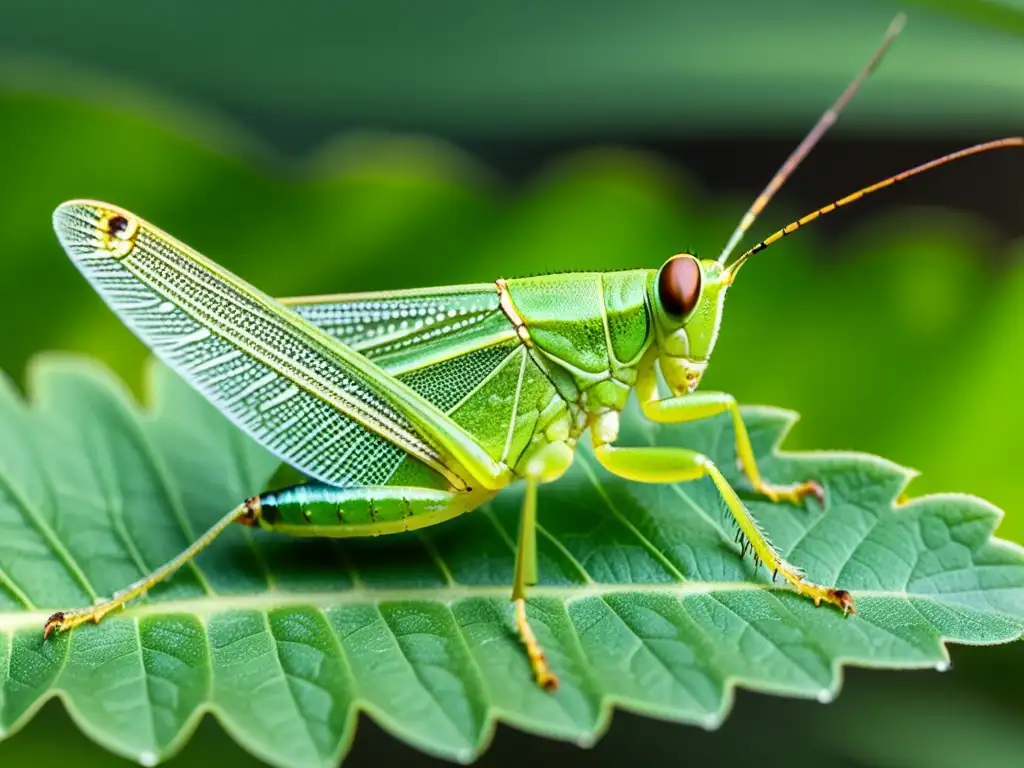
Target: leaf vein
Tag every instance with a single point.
(50, 537)
(566, 553)
(16, 592)
(414, 669)
(749, 626)
(148, 451)
(643, 540)
(287, 678)
(146, 690)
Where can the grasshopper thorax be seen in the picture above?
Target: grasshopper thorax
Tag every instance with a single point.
(687, 296)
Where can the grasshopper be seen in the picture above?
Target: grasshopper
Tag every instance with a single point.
(408, 408)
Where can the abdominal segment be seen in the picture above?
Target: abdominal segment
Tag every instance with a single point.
(315, 509)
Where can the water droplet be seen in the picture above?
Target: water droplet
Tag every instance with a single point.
(943, 666)
(147, 758)
(825, 696)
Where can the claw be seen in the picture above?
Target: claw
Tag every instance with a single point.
(837, 597)
(815, 489)
(53, 624)
(797, 492)
(794, 493)
(542, 673)
(64, 621)
(844, 600)
(547, 680)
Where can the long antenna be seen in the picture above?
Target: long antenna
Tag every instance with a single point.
(1011, 141)
(825, 122)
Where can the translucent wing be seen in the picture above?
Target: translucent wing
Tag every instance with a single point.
(455, 346)
(382, 325)
(317, 404)
(443, 342)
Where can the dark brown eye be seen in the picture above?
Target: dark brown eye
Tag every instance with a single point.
(679, 285)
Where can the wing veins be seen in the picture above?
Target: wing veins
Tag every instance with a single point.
(295, 373)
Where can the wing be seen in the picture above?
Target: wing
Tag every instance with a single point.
(317, 404)
(382, 325)
(443, 342)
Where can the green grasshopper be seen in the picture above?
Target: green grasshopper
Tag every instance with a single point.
(409, 408)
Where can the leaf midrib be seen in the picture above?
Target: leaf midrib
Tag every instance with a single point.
(205, 606)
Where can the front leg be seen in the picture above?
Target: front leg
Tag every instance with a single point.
(677, 465)
(701, 405)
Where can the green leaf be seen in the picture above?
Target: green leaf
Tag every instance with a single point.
(644, 602)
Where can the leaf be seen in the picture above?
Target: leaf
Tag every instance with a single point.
(643, 604)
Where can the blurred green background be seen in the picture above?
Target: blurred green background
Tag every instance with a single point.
(316, 147)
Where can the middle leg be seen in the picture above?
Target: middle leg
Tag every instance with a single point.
(549, 463)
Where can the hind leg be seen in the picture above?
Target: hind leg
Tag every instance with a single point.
(676, 465)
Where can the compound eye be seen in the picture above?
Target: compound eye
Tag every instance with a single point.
(679, 285)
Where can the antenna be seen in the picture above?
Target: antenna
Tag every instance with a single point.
(825, 122)
(1011, 141)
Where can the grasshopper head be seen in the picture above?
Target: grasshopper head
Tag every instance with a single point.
(687, 295)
